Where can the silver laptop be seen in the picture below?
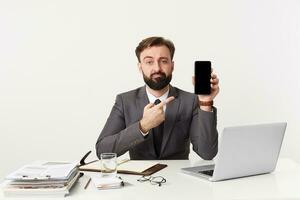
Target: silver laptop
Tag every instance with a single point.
(244, 151)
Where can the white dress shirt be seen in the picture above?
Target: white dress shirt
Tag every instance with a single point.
(162, 98)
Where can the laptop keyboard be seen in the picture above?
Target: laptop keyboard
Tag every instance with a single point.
(207, 172)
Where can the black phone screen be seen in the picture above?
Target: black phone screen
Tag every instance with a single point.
(202, 77)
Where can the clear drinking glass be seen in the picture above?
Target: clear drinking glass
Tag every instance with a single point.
(108, 165)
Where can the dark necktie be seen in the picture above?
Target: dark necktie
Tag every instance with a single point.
(158, 134)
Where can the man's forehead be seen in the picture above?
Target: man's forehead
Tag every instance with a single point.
(156, 52)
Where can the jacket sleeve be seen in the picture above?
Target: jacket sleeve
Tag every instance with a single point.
(203, 132)
(115, 136)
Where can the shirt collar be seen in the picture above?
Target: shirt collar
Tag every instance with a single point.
(152, 98)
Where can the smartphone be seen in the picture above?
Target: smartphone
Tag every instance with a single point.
(202, 77)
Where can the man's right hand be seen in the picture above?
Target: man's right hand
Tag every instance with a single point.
(153, 115)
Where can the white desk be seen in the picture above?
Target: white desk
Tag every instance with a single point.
(284, 183)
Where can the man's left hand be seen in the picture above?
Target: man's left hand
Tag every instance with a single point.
(214, 81)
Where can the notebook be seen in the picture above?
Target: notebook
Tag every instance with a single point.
(135, 167)
(107, 183)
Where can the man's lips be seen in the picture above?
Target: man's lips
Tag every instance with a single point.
(156, 76)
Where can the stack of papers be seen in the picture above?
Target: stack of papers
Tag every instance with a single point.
(42, 179)
(107, 183)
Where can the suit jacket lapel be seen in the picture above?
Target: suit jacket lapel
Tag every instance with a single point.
(171, 115)
(141, 102)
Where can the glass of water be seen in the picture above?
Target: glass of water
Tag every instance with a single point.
(108, 165)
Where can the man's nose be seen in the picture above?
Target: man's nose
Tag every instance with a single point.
(156, 66)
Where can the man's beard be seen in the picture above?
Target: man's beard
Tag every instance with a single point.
(158, 83)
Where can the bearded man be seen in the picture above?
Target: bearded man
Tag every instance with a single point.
(159, 121)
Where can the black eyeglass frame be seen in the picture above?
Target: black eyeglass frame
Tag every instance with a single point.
(152, 180)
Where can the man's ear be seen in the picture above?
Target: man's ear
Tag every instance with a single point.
(172, 66)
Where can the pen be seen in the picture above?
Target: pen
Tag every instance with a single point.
(87, 184)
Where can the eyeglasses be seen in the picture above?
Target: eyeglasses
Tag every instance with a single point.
(154, 180)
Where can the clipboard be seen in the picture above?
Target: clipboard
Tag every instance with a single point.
(134, 167)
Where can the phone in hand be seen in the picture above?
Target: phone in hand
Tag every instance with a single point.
(202, 77)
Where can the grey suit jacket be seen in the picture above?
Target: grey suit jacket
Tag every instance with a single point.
(185, 123)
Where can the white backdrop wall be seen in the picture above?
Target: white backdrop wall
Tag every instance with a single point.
(63, 62)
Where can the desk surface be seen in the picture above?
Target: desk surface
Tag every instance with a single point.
(283, 183)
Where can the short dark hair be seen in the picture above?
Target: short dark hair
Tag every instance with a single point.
(154, 41)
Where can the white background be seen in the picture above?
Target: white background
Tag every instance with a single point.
(63, 62)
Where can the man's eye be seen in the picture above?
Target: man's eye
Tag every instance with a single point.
(149, 62)
(165, 61)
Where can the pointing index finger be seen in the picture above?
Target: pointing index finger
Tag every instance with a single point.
(168, 100)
